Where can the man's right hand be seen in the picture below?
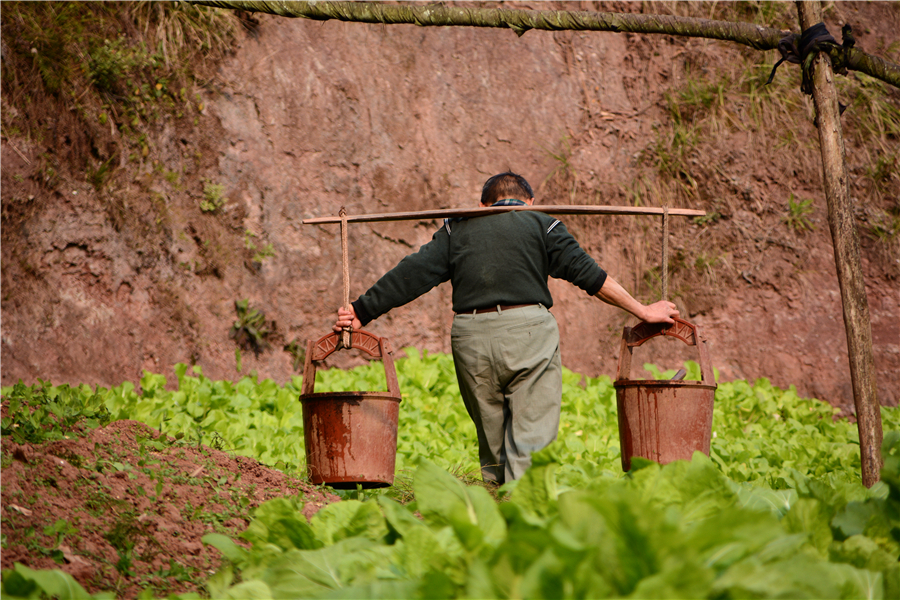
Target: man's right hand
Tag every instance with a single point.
(346, 318)
(660, 312)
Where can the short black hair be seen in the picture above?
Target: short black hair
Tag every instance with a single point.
(505, 185)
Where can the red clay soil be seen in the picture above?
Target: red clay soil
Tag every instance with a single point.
(122, 509)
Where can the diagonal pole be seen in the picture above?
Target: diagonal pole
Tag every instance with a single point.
(845, 239)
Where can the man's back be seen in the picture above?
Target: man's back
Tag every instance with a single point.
(506, 259)
(497, 259)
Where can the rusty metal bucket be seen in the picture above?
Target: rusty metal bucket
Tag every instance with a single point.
(664, 420)
(350, 437)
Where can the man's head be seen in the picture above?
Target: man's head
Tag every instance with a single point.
(506, 185)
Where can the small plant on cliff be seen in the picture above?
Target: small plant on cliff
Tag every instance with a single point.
(110, 63)
(262, 253)
(297, 351)
(213, 197)
(564, 166)
(798, 210)
(250, 330)
(886, 226)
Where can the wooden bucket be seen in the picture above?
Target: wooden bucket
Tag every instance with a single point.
(350, 437)
(664, 420)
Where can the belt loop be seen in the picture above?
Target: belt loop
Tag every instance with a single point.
(499, 310)
(474, 311)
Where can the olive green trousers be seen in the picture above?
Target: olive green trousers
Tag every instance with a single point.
(510, 377)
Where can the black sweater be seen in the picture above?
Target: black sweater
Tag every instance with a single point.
(496, 259)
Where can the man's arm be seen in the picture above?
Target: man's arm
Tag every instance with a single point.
(615, 294)
(413, 276)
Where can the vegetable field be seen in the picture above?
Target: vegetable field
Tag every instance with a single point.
(777, 510)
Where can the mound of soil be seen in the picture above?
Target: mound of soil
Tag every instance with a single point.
(123, 509)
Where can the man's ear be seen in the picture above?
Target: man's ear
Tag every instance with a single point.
(530, 202)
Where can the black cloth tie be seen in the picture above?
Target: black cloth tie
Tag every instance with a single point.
(799, 48)
(795, 48)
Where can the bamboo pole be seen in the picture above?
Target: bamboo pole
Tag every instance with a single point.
(481, 211)
(845, 239)
(469, 15)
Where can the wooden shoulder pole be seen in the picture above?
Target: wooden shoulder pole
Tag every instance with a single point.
(845, 239)
(481, 211)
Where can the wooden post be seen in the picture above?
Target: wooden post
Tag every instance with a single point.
(845, 239)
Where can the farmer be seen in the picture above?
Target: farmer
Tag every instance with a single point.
(505, 342)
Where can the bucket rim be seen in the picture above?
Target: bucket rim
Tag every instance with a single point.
(386, 395)
(663, 383)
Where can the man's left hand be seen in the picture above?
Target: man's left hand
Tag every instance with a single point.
(346, 318)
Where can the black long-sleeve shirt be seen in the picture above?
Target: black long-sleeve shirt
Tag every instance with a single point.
(497, 259)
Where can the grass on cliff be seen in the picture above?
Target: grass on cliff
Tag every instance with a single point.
(112, 67)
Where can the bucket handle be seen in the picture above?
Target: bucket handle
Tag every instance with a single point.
(685, 331)
(377, 347)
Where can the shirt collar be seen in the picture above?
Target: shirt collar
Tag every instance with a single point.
(504, 202)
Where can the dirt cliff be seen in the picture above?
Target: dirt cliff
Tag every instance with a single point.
(303, 118)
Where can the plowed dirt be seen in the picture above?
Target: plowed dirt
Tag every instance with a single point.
(121, 508)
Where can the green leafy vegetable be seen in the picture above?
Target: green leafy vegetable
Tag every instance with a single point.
(776, 510)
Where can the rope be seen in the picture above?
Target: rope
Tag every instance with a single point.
(345, 271)
(665, 253)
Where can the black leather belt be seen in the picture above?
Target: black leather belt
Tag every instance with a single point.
(495, 308)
